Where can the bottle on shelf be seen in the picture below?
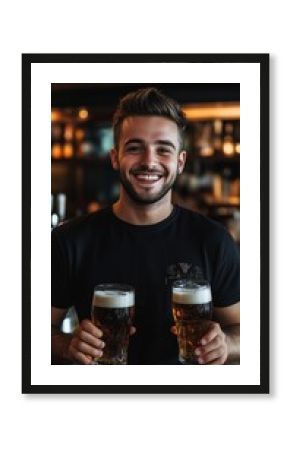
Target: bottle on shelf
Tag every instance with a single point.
(61, 206)
(56, 140)
(217, 140)
(205, 144)
(68, 137)
(54, 215)
(58, 209)
(88, 146)
(228, 144)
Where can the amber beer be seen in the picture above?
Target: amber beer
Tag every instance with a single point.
(192, 311)
(112, 312)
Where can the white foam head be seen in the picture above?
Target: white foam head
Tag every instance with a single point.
(192, 295)
(113, 298)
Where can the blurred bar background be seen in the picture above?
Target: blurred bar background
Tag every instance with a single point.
(83, 181)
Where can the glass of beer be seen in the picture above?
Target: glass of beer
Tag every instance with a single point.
(112, 312)
(192, 312)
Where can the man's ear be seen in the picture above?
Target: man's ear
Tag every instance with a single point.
(181, 161)
(114, 159)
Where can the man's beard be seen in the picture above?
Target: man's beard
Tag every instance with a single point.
(143, 200)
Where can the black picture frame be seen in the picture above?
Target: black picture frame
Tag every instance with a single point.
(259, 59)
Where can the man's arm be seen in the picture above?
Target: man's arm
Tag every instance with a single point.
(221, 344)
(59, 341)
(229, 320)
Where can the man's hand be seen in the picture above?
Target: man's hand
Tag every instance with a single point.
(213, 347)
(86, 344)
(218, 346)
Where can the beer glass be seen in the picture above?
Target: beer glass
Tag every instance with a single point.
(192, 312)
(112, 312)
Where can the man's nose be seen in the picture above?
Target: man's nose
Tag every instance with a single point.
(149, 157)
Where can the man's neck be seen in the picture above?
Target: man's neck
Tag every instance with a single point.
(139, 214)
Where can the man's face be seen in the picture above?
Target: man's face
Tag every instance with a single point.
(148, 157)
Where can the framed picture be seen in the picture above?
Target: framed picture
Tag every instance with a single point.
(67, 104)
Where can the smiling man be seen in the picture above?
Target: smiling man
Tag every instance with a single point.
(148, 156)
(145, 241)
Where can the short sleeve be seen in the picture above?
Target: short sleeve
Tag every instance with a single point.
(226, 274)
(60, 286)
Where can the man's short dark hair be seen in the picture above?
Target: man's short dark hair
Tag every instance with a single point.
(147, 102)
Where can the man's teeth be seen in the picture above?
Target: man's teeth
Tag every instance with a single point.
(148, 177)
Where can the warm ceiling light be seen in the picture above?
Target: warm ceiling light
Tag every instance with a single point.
(83, 113)
(207, 111)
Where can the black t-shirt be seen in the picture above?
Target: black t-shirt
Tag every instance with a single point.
(100, 248)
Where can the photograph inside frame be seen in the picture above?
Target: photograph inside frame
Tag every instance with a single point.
(145, 224)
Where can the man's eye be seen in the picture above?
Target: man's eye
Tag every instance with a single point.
(164, 150)
(133, 149)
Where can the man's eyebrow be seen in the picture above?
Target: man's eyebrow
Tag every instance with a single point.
(165, 142)
(134, 141)
(159, 142)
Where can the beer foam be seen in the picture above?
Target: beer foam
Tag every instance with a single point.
(113, 299)
(188, 296)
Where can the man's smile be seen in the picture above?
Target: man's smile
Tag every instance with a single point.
(146, 178)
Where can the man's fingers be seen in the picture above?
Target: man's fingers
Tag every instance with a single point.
(218, 341)
(90, 339)
(213, 331)
(209, 357)
(88, 326)
(86, 349)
